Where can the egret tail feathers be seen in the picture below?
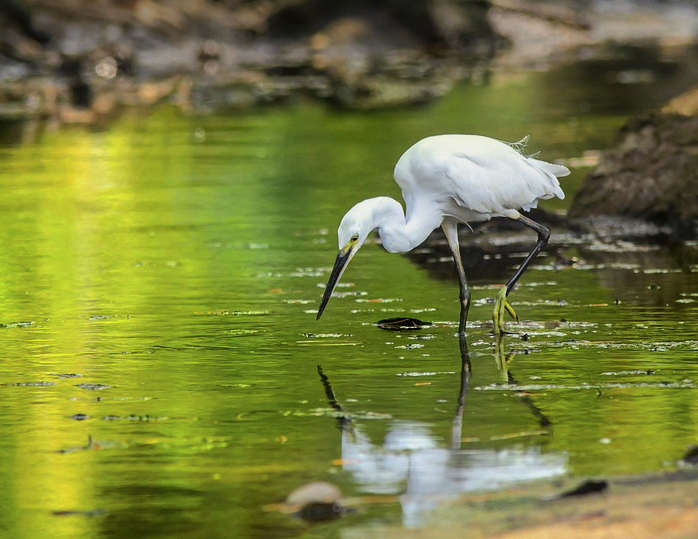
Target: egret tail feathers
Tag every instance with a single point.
(556, 170)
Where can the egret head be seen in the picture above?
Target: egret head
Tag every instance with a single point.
(355, 227)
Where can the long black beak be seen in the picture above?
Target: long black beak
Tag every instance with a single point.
(339, 265)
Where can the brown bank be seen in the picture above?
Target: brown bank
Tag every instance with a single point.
(651, 173)
(656, 506)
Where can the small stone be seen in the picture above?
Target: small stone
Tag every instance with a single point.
(315, 492)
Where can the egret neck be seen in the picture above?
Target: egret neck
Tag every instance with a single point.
(398, 234)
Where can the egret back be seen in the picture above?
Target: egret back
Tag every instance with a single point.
(474, 178)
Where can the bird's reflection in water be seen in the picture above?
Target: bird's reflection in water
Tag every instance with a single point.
(413, 462)
(504, 359)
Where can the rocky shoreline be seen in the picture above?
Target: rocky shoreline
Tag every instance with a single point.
(80, 63)
(60, 59)
(68, 62)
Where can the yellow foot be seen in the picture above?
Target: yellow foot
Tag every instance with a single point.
(500, 305)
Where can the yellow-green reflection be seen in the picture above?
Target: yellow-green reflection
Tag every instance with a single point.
(173, 263)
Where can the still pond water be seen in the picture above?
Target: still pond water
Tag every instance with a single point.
(160, 349)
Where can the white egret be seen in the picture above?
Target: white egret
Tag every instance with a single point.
(447, 180)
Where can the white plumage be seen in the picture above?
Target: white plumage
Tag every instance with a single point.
(484, 177)
(446, 180)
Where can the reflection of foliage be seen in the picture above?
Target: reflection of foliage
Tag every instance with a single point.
(134, 252)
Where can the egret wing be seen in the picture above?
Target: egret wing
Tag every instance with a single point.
(496, 178)
(482, 176)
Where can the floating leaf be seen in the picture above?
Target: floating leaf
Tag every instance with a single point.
(94, 387)
(92, 445)
(84, 513)
(33, 384)
(424, 373)
(397, 324)
(241, 332)
(324, 335)
(684, 384)
(327, 343)
(627, 373)
(132, 417)
(17, 325)
(224, 312)
(412, 346)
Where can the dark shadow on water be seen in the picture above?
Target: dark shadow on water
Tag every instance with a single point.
(489, 250)
(635, 261)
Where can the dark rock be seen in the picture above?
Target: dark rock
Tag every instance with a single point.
(587, 487)
(691, 456)
(317, 511)
(212, 55)
(317, 501)
(650, 174)
(361, 54)
(438, 26)
(18, 13)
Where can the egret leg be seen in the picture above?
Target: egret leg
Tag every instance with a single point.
(501, 304)
(450, 228)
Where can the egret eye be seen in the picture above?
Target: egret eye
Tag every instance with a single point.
(355, 238)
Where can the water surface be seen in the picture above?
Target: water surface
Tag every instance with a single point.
(160, 279)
